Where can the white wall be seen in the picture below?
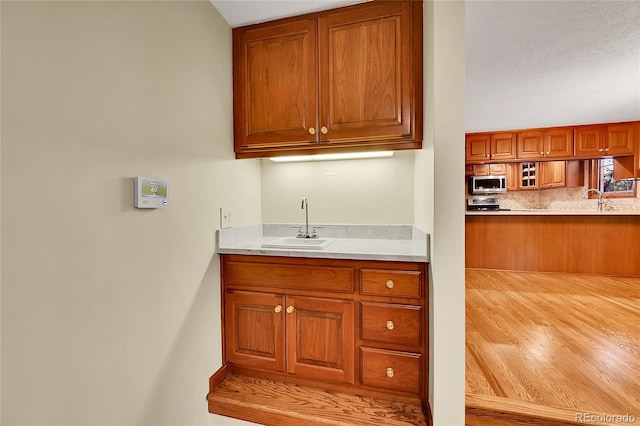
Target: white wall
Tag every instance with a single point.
(110, 314)
(372, 191)
(438, 204)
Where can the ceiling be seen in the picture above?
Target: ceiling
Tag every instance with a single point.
(528, 63)
(244, 12)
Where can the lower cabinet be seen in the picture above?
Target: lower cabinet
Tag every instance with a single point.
(391, 369)
(298, 335)
(347, 325)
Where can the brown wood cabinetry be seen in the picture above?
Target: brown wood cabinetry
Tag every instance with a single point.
(257, 324)
(552, 174)
(314, 336)
(528, 175)
(320, 338)
(489, 169)
(542, 174)
(513, 176)
(636, 136)
(549, 143)
(574, 173)
(254, 330)
(601, 244)
(486, 147)
(345, 325)
(340, 80)
(604, 140)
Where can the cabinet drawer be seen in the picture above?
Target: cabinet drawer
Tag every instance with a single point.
(391, 323)
(317, 278)
(381, 282)
(400, 371)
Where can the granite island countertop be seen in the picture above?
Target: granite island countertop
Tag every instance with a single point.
(404, 243)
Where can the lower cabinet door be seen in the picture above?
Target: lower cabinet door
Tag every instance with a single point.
(254, 330)
(393, 370)
(320, 338)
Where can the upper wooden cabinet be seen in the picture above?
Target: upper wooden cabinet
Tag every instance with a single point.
(485, 147)
(552, 174)
(489, 169)
(340, 80)
(549, 143)
(604, 140)
(636, 135)
(275, 84)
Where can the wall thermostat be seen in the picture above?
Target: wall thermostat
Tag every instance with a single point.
(150, 193)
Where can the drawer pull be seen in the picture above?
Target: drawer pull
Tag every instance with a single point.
(390, 372)
(289, 309)
(390, 284)
(278, 309)
(390, 325)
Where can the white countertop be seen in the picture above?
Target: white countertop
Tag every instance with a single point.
(550, 212)
(404, 243)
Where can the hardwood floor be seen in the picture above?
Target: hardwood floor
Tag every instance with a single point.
(555, 347)
(273, 403)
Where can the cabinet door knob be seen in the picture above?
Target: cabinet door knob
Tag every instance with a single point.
(289, 309)
(600, 149)
(541, 153)
(606, 150)
(324, 130)
(548, 152)
(390, 284)
(312, 131)
(390, 325)
(278, 309)
(390, 372)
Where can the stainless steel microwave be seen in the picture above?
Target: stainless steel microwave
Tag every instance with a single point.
(487, 184)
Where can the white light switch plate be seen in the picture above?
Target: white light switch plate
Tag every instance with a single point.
(225, 218)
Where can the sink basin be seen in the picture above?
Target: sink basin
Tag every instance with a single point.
(299, 243)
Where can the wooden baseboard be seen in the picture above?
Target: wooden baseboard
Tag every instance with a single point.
(270, 402)
(484, 410)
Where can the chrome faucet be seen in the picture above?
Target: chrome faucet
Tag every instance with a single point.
(306, 234)
(601, 201)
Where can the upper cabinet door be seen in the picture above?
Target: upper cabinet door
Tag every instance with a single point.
(558, 143)
(589, 141)
(340, 80)
(370, 76)
(604, 140)
(503, 146)
(530, 145)
(275, 85)
(478, 147)
(619, 140)
(549, 143)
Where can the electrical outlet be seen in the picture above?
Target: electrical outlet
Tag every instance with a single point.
(225, 217)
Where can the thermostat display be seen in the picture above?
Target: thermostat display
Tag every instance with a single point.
(150, 193)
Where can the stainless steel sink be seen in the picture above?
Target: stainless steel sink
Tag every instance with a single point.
(299, 243)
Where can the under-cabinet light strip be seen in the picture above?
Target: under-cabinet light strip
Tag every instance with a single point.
(342, 156)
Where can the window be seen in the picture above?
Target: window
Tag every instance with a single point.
(607, 184)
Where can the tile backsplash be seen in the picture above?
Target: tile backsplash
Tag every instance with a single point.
(560, 199)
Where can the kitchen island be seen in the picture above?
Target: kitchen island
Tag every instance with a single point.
(543, 240)
(327, 330)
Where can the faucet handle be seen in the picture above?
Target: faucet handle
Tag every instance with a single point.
(299, 228)
(314, 233)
